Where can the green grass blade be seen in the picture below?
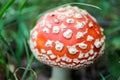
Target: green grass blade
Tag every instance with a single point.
(10, 2)
(103, 78)
(22, 4)
(83, 4)
(26, 48)
(9, 47)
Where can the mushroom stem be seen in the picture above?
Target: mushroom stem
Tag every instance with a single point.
(60, 74)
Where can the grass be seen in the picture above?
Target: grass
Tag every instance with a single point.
(18, 17)
(23, 36)
(2, 11)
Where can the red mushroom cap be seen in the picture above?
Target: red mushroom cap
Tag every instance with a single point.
(67, 37)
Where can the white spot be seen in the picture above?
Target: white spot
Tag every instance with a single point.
(58, 59)
(102, 40)
(59, 46)
(70, 20)
(34, 43)
(91, 52)
(90, 58)
(73, 64)
(72, 49)
(68, 33)
(82, 45)
(48, 25)
(97, 43)
(68, 60)
(65, 58)
(31, 31)
(43, 51)
(63, 64)
(56, 21)
(86, 20)
(49, 52)
(46, 30)
(42, 23)
(89, 38)
(90, 24)
(34, 35)
(97, 31)
(78, 66)
(56, 29)
(62, 26)
(61, 9)
(52, 56)
(31, 44)
(36, 53)
(78, 15)
(102, 49)
(79, 35)
(86, 55)
(88, 62)
(76, 8)
(53, 63)
(92, 46)
(79, 25)
(61, 17)
(82, 61)
(80, 55)
(84, 12)
(48, 43)
(95, 54)
(76, 60)
(85, 31)
(45, 56)
(93, 57)
(68, 7)
(69, 13)
(101, 29)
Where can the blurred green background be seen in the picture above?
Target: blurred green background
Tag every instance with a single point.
(17, 17)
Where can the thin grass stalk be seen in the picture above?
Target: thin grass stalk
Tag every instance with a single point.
(26, 49)
(73, 3)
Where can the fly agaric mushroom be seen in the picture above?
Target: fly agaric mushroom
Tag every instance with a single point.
(67, 37)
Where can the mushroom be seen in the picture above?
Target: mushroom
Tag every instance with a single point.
(67, 38)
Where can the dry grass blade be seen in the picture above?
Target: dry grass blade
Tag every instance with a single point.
(35, 74)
